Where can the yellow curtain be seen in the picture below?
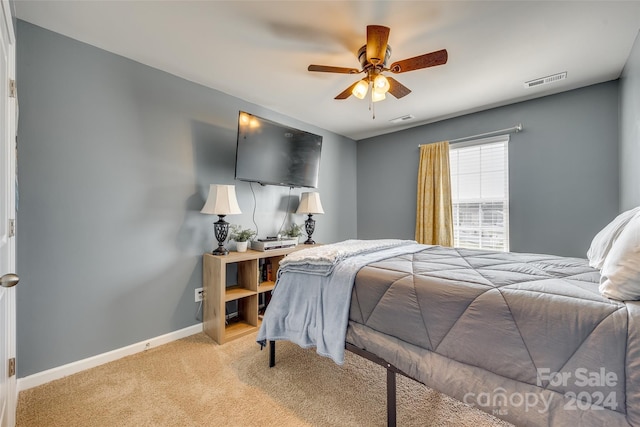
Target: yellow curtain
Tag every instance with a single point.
(434, 218)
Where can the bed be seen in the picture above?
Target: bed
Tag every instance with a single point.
(525, 337)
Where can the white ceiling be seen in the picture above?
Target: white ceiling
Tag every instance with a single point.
(259, 50)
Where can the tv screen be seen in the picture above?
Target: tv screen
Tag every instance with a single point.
(272, 153)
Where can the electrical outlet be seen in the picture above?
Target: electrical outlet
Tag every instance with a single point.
(199, 294)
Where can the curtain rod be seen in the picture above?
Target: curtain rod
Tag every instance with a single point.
(517, 128)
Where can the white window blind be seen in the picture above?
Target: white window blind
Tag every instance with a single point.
(480, 193)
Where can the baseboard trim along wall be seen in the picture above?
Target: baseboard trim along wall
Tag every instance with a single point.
(100, 359)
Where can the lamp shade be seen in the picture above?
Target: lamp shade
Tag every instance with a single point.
(360, 89)
(381, 84)
(310, 204)
(221, 200)
(377, 95)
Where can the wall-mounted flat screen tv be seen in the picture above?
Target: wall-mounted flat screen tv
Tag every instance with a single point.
(275, 154)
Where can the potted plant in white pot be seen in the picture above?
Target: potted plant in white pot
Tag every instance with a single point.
(241, 236)
(294, 231)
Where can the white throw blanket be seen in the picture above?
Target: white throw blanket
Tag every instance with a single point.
(322, 259)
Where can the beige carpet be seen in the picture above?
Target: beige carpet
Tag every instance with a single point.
(195, 382)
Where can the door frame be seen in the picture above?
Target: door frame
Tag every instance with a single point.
(11, 146)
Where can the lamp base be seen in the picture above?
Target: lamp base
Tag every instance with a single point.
(221, 228)
(309, 226)
(220, 250)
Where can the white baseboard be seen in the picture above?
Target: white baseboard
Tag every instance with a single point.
(100, 359)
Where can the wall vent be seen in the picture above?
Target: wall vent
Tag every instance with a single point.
(546, 80)
(402, 119)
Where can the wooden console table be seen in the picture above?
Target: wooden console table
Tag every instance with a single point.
(248, 287)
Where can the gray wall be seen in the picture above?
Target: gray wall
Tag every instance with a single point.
(563, 170)
(630, 130)
(115, 160)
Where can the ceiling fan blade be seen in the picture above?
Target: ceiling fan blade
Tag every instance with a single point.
(377, 38)
(397, 89)
(423, 61)
(347, 92)
(329, 69)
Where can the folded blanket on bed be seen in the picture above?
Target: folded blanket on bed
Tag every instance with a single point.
(312, 308)
(322, 259)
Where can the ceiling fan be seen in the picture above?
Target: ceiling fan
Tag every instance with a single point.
(373, 57)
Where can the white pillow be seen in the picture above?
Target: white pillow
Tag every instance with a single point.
(621, 269)
(602, 242)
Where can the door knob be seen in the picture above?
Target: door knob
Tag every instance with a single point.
(9, 280)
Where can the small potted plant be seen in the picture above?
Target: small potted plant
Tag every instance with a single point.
(241, 236)
(294, 231)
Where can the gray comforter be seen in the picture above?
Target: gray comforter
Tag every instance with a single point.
(523, 336)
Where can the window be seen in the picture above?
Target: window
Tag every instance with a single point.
(480, 193)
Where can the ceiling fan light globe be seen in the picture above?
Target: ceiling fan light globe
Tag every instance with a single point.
(360, 89)
(377, 95)
(381, 84)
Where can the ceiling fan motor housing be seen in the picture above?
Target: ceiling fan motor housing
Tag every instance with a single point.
(362, 57)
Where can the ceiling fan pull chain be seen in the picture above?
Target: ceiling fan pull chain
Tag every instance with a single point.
(373, 107)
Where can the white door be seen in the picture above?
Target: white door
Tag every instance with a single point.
(7, 217)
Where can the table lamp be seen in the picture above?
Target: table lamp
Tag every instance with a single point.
(310, 204)
(221, 201)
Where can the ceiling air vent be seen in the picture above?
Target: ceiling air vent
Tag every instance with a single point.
(545, 80)
(402, 119)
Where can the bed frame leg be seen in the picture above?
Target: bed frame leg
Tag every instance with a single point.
(391, 398)
(272, 354)
(391, 380)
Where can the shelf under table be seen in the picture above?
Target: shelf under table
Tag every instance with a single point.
(233, 293)
(238, 329)
(266, 286)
